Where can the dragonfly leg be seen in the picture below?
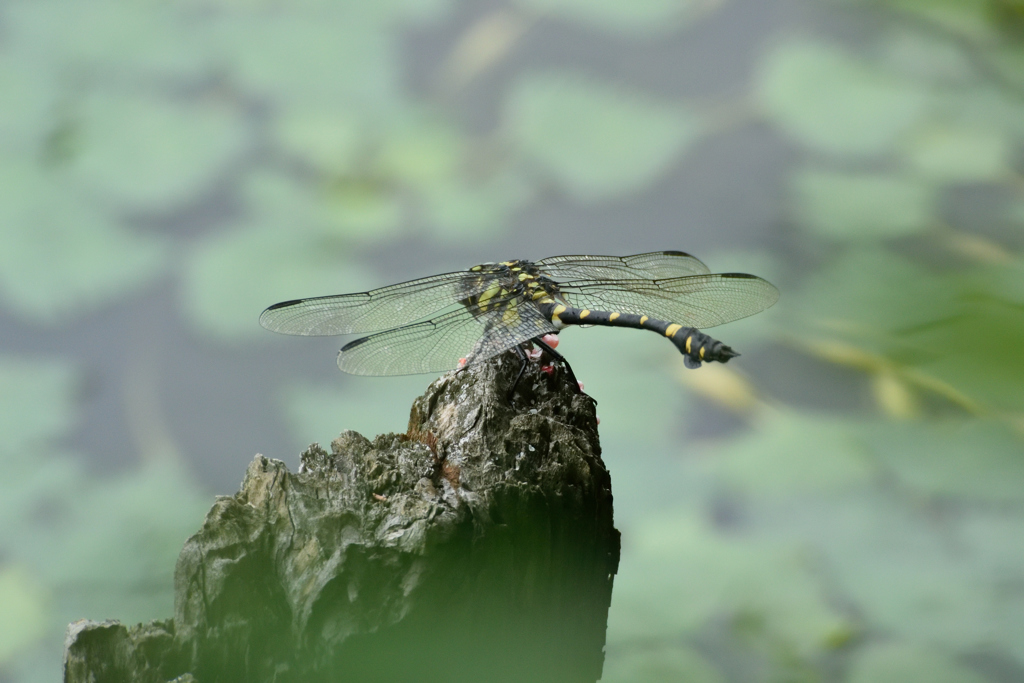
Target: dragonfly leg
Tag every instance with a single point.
(561, 359)
(522, 369)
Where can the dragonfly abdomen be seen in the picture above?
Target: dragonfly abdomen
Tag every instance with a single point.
(691, 342)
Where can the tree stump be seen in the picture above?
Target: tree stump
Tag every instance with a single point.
(477, 546)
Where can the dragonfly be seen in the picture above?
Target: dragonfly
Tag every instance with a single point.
(454, 320)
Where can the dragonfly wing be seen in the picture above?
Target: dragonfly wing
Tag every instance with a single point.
(438, 344)
(378, 309)
(655, 265)
(695, 300)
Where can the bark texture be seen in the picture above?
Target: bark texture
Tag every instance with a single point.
(479, 545)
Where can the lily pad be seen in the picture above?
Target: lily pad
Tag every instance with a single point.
(792, 454)
(678, 573)
(972, 460)
(313, 58)
(971, 19)
(60, 257)
(859, 206)
(991, 377)
(867, 292)
(959, 155)
(115, 38)
(231, 277)
(24, 618)
(924, 580)
(420, 153)
(597, 140)
(153, 153)
(474, 208)
(29, 115)
(327, 139)
(339, 212)
(659, 664)
(37, 403)
(897, 663)
(830, 100)
(119, 540)
(370, 406)
(641, 16)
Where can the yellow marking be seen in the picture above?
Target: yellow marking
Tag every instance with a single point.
(510, 315)
(515, 269)
(643, 319)
(613, 316)
(477, 268)
(671, 330)
(540, 293)
(523, 276)
(546, 300)
(508, 263)
(489, 292)
(559, 310)
(688, 340)
(533, 283)
(702, 353)
(584, 313)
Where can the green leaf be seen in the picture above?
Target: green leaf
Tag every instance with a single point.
(988, 365)
(765, 584)
(119, 39)
(24, 618)
(794, 454)
(335, 213)
(898, 663)
(59, 256)
(314, 59)
(981, 107)
(630, 372)
(659, 664)
(829, 100)
(946, 582)
(971, 19)
(29, 113)
(866, 293)
(639, 16)
(597, 140)
(918, 55)
(325, 138)
(154, 154)
(119, 539)
(231, 277)
(862, 206)
(37, 403)
(420, 153)
(971, 459)
(474, 208)
(360, 211)
(959, 155)
(370, 406)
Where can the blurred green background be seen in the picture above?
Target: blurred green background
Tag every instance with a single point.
(845, 502)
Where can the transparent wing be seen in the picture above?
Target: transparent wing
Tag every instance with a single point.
(378, 309)
(655, 265)
(695, 300)
(438, 344)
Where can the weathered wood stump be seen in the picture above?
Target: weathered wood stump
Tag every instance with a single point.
(477, 546)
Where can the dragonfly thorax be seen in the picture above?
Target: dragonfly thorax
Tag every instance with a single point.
(504, 284)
